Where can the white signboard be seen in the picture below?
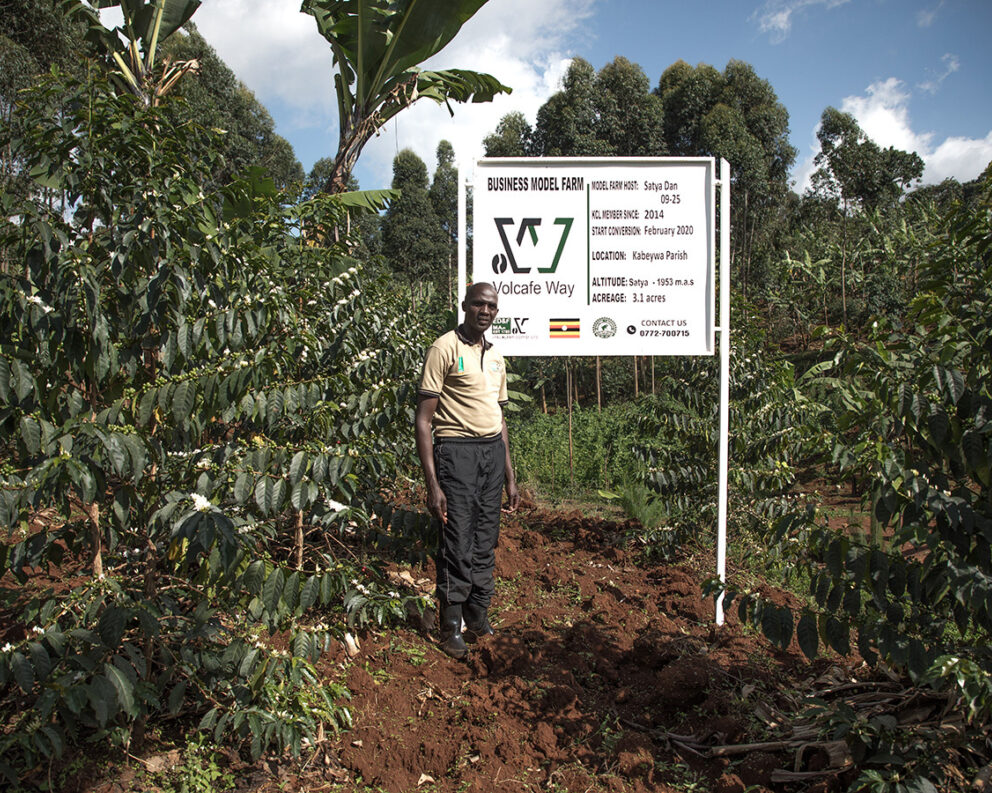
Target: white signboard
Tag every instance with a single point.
(597, 256)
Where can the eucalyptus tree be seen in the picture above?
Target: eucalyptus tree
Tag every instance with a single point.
(858, 173)
(34, 37)
(736, 115)
(513, 137)
(855, 169)
(567, 123)
(377, 46)
(607, 113)
(217, 99)
(629, 116)
(413, 242)
(444, 200)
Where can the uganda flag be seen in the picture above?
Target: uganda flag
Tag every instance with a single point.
(563, 328)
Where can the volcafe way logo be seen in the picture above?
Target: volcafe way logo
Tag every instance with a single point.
(516, 250)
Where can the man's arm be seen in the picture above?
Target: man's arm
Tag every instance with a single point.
(512, 494)
(437, 504)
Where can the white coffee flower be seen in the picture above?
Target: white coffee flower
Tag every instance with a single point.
(200, 504)
(337, 506)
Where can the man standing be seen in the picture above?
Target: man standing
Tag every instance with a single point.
(461, 396)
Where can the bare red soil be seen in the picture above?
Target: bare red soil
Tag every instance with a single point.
(604, 675)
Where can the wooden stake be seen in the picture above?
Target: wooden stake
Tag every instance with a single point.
(93, 512)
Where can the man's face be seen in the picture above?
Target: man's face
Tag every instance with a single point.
(481, 306)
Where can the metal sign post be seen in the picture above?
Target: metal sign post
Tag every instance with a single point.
(724, 329)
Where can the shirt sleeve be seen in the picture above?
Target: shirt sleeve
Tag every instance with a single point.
(435, 368)
(504, 398)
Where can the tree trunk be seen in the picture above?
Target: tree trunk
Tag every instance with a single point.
(451, 304)
(151, 586)
(744, 250)
(298, 539)
(568, 393)
(843, 269)
(350, 146)
(599, 384)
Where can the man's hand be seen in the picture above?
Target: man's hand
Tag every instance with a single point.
(437, 503)
(512, 497)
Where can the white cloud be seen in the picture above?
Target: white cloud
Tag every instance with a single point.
(925, 17)
(522, 44)
(883, 113)
(961, 158)
(278, 53)
(273, 49)
(775, 16)
(951, 65)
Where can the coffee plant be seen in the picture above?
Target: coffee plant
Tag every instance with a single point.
(199, 402)
(910, 416)
(771, 427)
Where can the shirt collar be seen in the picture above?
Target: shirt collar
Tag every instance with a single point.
(465, 339)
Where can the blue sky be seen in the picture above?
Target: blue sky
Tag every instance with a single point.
(916, 73)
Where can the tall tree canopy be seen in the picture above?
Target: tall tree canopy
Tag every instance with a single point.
(33, 38)
(609, 113)
(512, 137)
(217, 98)
(414, 244)
(444, 200)
(852, 167)
(735, 114)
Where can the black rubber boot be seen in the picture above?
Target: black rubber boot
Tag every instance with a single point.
(476, 622)
(450, 628)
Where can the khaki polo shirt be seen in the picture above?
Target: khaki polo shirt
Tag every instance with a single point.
(470, 383)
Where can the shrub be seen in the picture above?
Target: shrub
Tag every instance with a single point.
(190, 381)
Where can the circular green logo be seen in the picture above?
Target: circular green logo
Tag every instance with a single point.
(604, 327)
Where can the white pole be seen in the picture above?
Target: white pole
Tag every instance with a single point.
(721, 538)
(463, 183)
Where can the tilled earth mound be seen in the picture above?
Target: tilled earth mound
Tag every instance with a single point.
(603, 675)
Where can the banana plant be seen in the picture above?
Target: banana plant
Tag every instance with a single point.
(133, 46)
(377, 45)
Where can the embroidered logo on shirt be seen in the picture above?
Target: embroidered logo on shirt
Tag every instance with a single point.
(461, 364)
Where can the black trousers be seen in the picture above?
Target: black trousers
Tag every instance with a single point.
(471, 474)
